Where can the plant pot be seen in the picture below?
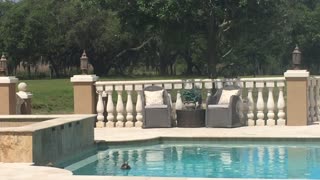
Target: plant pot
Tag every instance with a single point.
(189, 105)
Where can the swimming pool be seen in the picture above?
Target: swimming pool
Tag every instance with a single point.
(206, 159)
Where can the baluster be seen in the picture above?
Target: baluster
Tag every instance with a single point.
(109, 106)
(270, 104)
(251, 106)
(104, 100)
(129, 107)
(188, 84)
(139, 105)
(314, 100)
(240, 105)
(318, 99)
(310, 102)
(218, 83)
(260, 104)
(168, 87)
(100, 109)
(179, 104)
(110, 110)
(120, 107)
(198, 84)
(280, 105)
(208, 86)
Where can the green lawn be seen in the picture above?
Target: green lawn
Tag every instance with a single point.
(51, 96)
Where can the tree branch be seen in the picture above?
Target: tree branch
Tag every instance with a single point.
(134, 49)
(227, 53)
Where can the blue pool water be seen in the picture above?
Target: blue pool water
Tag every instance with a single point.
(205, 160)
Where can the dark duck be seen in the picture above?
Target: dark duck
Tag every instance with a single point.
(125, 166)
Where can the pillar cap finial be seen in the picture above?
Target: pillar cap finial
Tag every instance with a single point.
(296, 58)
(84, 54)
(84, 62)
(3, 65)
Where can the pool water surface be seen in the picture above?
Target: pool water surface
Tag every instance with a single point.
(206, 160)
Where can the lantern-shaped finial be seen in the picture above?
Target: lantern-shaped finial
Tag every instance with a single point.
(3, 66)
(84, 63)
(296, 58)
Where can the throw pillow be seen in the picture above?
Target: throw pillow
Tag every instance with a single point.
(153, 97)
(226, 95)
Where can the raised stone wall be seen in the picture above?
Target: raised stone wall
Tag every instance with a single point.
(49, 141)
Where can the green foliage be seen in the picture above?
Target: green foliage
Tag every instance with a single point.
(167, 37)
(192, 96)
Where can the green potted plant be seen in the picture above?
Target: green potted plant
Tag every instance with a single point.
(193, 115)
(192, 98)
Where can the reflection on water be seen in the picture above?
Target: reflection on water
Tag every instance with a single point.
(208, 161)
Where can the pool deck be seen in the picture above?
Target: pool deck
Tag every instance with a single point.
(12, 171)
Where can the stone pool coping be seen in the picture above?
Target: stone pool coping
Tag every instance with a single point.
(55, 120)
(115, 135)
(25, 171)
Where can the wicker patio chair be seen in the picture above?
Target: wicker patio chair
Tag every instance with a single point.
(156, 108)
(222, 108)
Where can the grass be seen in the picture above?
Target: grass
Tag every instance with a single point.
(51, 96)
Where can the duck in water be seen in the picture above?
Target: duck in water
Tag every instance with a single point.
(125, 166)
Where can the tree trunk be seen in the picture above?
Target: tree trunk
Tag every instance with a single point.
(212, 46)
(163, 66)
(189, 64)
(55, 68)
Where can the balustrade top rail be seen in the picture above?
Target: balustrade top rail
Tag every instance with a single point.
(197, 82)
(153, 81)
(186, 80)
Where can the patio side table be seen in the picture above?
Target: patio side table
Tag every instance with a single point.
(191, 118)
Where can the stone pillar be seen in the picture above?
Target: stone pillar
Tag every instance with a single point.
(84, 94)
(297, 97)
(8, 95)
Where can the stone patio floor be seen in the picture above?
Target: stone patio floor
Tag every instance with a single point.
(12, 171)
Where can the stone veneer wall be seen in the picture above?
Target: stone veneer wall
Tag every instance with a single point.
(48, 141)
(16, 147)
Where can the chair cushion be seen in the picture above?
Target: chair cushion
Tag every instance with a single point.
(153, 97)
(162, 106)
(226, 95)
(211, 106)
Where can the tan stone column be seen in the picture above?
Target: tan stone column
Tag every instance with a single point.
(84, 94)
(8, 95)
(297, 97)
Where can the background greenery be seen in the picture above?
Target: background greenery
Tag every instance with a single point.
(161, 37)
(51, 96)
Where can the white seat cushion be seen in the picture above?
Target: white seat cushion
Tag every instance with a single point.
(153, 97)
(218, 106)
(156, 106)
(226, 95)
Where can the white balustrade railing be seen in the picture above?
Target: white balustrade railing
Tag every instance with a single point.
(317, 97)
(314, 101)
(264, 97)
(125, 115)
